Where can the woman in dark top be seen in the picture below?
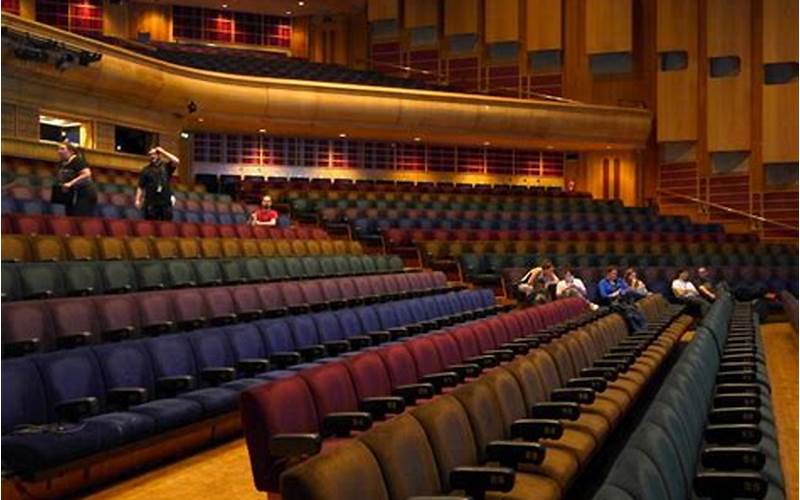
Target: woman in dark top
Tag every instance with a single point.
(75, 188)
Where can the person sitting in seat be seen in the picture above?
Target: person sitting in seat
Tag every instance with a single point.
(705, 287)
(685, 291)
(636, 287)
(264, 215)
(611, 288)
(538, 284)
(572, 286)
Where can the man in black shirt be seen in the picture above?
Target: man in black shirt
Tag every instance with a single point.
(704, 285)
(154, 194)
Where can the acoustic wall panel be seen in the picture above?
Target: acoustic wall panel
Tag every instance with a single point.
(676, 25)
(382, 10)
(609, 26)
(502, 21)
(461, 17)
(780, 30)
(543, 25)
(419, 13)
(779, 122)
(729, 97)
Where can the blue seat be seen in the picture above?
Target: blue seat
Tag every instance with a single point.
(212, 351)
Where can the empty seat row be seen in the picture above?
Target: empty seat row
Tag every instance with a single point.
(525, 428)
(42, 325)
(95, 226)
(29, 281)
(51, 248)
(710, 431)
(72, 404)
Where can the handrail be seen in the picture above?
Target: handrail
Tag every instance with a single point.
(758, 218)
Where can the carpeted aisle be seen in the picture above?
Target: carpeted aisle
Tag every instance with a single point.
(780, 345)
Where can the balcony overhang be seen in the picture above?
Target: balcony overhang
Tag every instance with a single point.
(245, 104)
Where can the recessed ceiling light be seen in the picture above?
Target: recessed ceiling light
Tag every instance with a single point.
(417, 139)
(201, 120)
(487, 143)
(288, 12)
(224, 6)
(342, 135)
(184, 135)
(301, 3)
(262, 130)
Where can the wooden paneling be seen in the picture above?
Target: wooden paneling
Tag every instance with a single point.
(299, 41)
(151, 18)
(609, 26)
(729, 98)
(779, 122)
(543, 24)
(461, 16)
(780, 30)
(9, 122)
(677, 25)
(27, 122)
(502, 20)
(381, 10)
(420, 13)
(115, 19)
(677, 90)
(104, 136)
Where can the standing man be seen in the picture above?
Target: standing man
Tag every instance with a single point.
(154, 194)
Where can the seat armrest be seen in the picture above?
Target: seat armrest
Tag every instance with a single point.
(158, 328)
(336, 347)
(21, 347)
(398, 332)
(218, 375)
(626, 359)
(312, 352)
(534, 429)
(358, 342)
(629, 350)
(294, 445)
(224, 319)
(171, 386)
(300, 309)
(440, 380)
(596, 384)
(733, 457)
(252, 366)
(573, 395)
(341, 424)
(379, 337)
(192, 324)
(737, 377)
(484, 361)
(556, 410)
(735, 415)
(412, 392)
(730, 485)
(503, 355)
(75, 410)
(465, 370)
(429, 325)
(118, 334)
(732, 400)
(518, 348)
(512, 453)
(737, 366)
(125, 397)
(738, 389)
(73, 340)
(476, 481)
(283, 359)
(414, 329)
(250, 315)
(528, 342)
(744, 357)
(617, 365)
(379, 407)
(732, 434)
(276, 312)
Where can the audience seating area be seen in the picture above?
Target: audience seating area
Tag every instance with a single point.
(710, 431)
(525, 427)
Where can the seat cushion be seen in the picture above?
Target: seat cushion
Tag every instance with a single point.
(213, 399)
(169, 413)
(579, 443)
(242, 384)
(124, 426)
(528, 486)
(559, 465)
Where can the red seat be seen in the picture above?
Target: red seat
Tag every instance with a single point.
(91, 227)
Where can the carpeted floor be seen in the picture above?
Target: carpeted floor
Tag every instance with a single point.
(780, 344)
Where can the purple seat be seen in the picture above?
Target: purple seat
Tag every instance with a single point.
(27, 327)
(220, 306)
(156, 313)
(117, 316)
(215, 361)
(293, 297)
(190, 309)
(74, 321)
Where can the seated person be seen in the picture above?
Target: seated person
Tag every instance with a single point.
(264, 215)
(685, 291)
(705, 287)
(537, 283)
(636, 287)
(611, 288)
(570, 286)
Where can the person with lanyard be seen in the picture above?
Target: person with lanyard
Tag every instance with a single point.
(75, 188)
(154, 194)
(264, 215)
(611, 288)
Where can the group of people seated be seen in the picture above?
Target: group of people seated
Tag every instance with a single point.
(542, 284)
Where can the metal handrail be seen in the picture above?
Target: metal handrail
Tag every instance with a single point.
(758, 218)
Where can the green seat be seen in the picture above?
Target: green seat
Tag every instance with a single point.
(11, 284)
(395, 263)
(254, 269)
(470, 265)
(118, 276)
(342, 266)
(150, 274)
(232, 273)
(180, 273)
(381, 263)
(368, 263)
(276, 269)
(312, 266)
(294, 266)
(82, 278)
(207, 272)
(40, 280)
(328, 266)
(356, 267)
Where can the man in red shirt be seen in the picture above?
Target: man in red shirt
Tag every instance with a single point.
(264, 215)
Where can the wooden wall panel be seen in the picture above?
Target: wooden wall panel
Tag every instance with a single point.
(115, 19)
(677, 90)
(105, 136)
(780, 30)
(461, 16)
(543, 24)
(729, 98)
(151, 18)
(609, 26)
(502, 20)
(27, 122)
(677, 25)
(380, 10)
(9, 121)
(420, 13)
(779, 122)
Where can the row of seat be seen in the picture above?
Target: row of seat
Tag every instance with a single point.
(51, 248)
(68, 405)
(25, 281)
(479, 436)
(34, 325)
(710, 432)
(32, 224)
(300, 412)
